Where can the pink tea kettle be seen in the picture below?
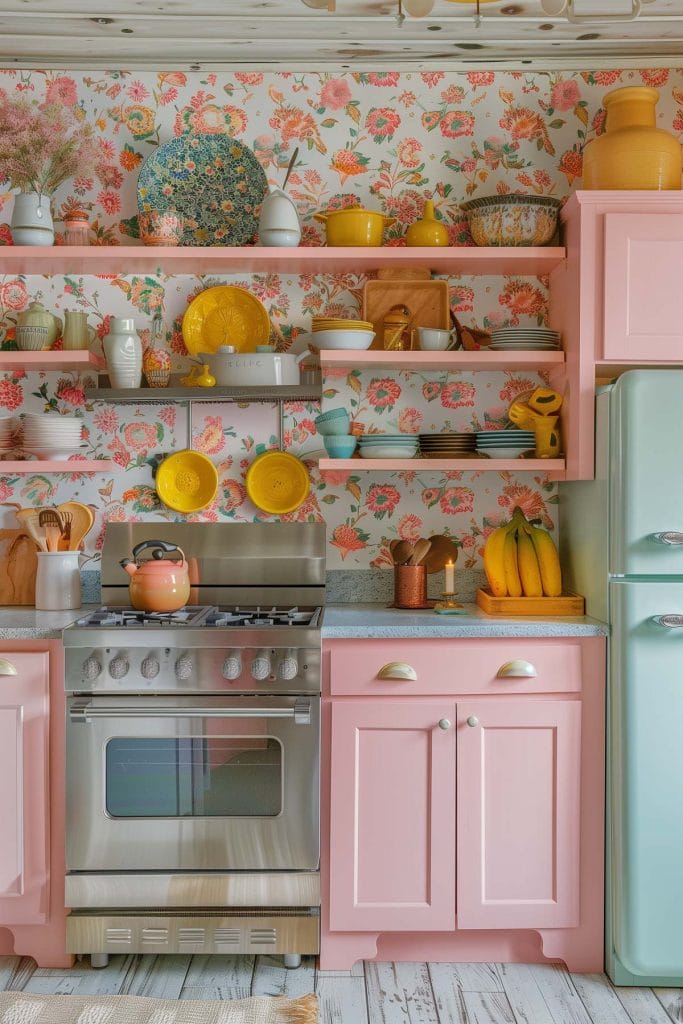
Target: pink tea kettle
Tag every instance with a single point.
(159, 583)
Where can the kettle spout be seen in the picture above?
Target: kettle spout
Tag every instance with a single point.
(129, 565)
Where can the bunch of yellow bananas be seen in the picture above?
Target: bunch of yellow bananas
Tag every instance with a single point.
(521, 559)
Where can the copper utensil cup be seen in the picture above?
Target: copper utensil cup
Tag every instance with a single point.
(410, 586)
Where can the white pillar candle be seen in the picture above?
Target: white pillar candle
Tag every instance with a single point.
(449, 569)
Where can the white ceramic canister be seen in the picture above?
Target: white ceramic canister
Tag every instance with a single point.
(78, 334)
(279, 221)
(58, 581)
(123, 352)
(32, 220)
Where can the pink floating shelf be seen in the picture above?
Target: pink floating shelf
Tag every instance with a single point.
(555, 468)
(28, 466)
(78, 360)
(129, 259)
(483, 360)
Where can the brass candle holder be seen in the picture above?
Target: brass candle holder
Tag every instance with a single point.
(448, 605)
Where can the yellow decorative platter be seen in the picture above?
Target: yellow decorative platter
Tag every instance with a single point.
(277, 482)
(187, 481)
(225, 315)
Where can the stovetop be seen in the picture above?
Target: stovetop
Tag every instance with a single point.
(203, 616)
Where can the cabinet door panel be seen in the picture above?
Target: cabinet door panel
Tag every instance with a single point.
(392, 816)
(24, 726)
(518, 813)
(642, 320)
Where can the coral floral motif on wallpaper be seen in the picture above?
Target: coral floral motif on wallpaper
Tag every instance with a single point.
(384, 140)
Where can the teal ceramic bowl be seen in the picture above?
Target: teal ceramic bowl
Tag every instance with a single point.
(333, 423)
(340, 447)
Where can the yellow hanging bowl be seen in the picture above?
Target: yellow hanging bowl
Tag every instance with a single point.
(187, 481)
(277, 482)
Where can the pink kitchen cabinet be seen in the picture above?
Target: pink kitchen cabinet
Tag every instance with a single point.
(463, 800)
(32, 911)
(393, 826)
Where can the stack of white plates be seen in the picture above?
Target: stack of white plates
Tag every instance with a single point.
(51, 436)
(505, 444)
(512, 339)
(388, 446)
(448, 445)
(6, 426)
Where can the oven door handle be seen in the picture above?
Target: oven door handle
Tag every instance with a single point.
(301, 712)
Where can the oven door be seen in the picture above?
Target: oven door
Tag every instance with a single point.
(201, 783)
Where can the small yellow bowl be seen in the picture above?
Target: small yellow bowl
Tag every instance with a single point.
(187, 481)
(277, 482)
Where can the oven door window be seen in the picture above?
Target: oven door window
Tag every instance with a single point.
(194, 777)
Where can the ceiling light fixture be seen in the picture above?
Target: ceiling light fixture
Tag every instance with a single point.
(419, 8)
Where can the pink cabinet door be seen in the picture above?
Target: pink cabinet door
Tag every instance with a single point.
(642, 308)
(24, 734)
(392, 835)
(519, 777)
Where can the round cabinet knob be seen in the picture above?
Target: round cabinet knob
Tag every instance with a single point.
(289, 666)
(183, 667)
(150, 667)
(473, 721)
(260, 666)
(444, 723)
(232, 666)
(91, 668)
(118, 667)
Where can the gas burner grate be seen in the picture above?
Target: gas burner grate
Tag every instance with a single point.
(131, 618)
(221, 618)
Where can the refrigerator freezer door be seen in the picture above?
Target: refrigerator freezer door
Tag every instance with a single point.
(646, 469)
(646, 847)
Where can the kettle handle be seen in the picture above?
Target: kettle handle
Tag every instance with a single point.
(158, 546)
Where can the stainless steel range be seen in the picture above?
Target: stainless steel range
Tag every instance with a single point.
(193, 748)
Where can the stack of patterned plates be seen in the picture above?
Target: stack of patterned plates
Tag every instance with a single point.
(511, 339)
(448, 445)
(505, 444)
(388, 446)
(6, 427)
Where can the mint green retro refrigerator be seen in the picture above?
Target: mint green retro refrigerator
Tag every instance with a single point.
(622, 546)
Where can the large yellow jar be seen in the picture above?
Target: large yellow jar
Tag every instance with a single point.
(633, 153)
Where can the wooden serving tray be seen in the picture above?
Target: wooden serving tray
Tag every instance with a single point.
(427, 301)
(565, 604)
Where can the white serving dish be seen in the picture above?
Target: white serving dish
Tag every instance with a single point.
(379, 451)
(249, 369)
(503, 453)
(342, 339)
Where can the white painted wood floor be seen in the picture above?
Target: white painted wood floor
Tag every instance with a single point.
(386, 993)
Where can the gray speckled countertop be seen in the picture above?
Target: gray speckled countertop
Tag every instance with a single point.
(369, 621)
(29, 624)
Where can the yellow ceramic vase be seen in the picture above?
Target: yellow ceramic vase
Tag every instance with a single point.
(428, 230)
(633, 153)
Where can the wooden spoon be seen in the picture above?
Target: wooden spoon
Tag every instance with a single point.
(442, 549)
(28, 517)
(82, 520)
(402, 552)
(420, 551)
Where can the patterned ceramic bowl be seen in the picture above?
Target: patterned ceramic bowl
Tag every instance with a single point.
(160, 228)
(512, 219)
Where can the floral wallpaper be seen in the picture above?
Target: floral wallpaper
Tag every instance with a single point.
(387, 140)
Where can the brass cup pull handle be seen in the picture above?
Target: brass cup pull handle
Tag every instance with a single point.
(401, 671)
(517, 669)
(7, 668)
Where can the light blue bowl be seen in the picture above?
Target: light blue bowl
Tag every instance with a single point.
(333, 424)
(340, 447)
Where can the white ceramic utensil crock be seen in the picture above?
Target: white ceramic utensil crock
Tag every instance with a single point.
(58, 580)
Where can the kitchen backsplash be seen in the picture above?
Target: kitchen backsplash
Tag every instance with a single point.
(386, 139)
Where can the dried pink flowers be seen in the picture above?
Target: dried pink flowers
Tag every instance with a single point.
(43, 145)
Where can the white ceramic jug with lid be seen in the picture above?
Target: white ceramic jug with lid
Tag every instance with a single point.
(279, 220)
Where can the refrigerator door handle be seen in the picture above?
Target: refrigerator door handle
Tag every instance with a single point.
(673, 621)
(668, 537)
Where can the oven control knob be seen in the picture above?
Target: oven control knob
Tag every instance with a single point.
(183, 667)
(91, 668)
(260, 666)
(150, 667)
(289, 666)
(232, 666)
(118, 666)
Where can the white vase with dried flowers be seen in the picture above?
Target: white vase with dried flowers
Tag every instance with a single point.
(42, 145)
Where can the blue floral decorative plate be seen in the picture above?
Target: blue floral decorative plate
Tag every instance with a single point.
(213, 181)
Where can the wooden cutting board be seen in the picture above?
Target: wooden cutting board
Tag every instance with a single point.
(18, 564)
(426, 300)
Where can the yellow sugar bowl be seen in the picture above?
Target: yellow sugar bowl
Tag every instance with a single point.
(428, 230)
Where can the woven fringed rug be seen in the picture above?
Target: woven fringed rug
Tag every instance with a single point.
(25, 1008)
